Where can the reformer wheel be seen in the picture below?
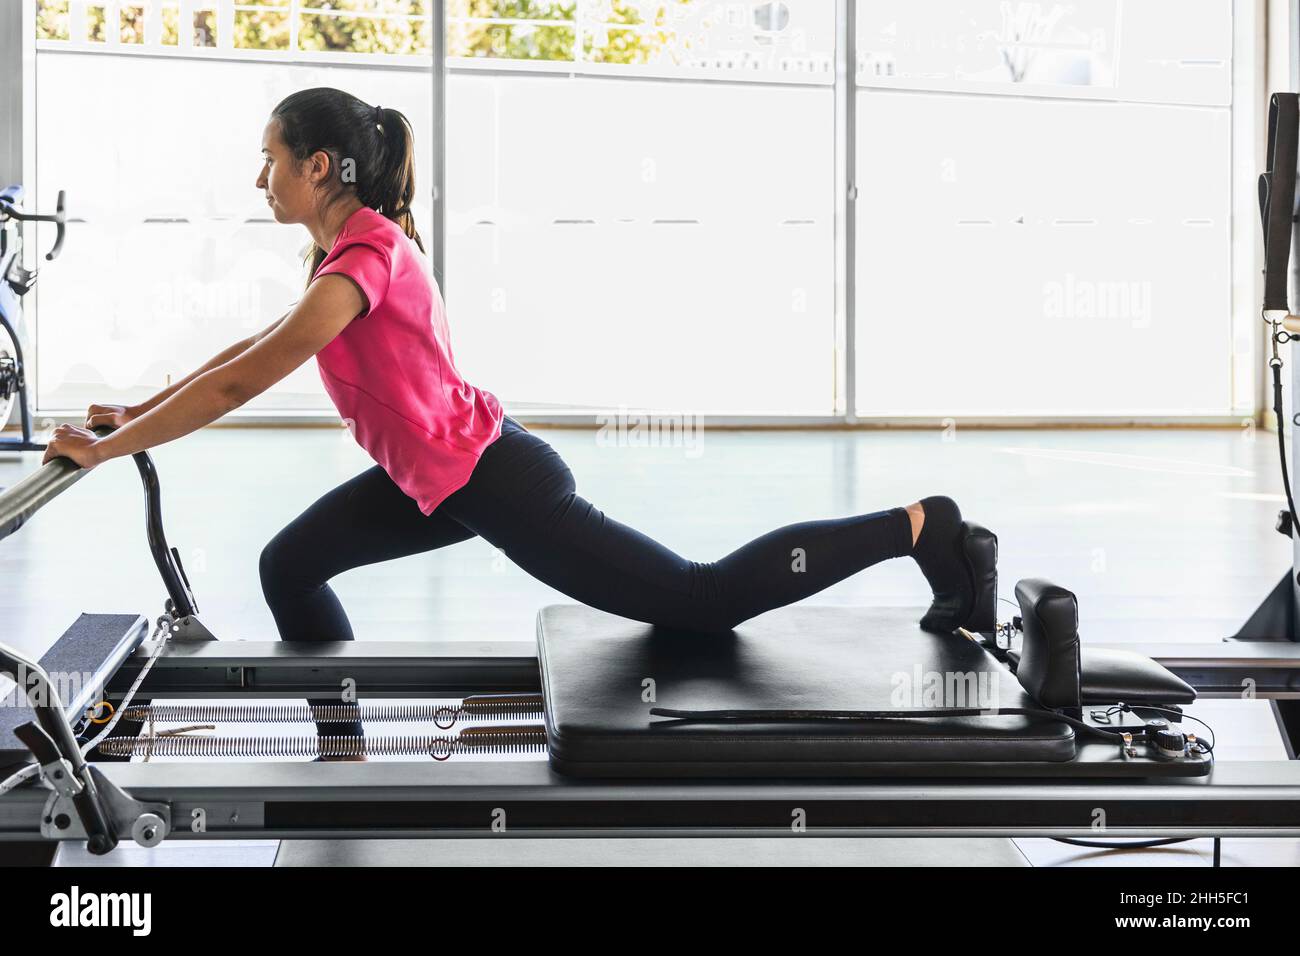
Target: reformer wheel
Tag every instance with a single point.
(8, 377)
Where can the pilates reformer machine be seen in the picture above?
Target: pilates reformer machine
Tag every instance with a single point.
(808, 720)
(812, 721)
(792, 724)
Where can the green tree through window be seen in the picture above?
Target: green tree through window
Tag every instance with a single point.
(630, 32)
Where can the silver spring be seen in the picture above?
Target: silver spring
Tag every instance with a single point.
(480, 740)
(489, 705)
(485, 707)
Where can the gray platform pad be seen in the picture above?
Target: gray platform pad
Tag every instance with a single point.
(78, 664)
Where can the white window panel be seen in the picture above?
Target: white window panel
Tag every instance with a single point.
(1168, 51)
(171, 257)
(619, 242)
(1042, 257)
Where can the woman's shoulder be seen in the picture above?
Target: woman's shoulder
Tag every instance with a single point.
(367, 232)
(368, 225)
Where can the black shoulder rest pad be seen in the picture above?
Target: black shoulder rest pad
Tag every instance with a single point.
(1110, 675)
(1049, 666)
(1055, 667)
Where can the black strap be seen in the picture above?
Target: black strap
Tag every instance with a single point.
(795, 716)
(1277, 197)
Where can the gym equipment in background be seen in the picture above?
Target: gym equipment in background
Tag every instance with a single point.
(15, 282)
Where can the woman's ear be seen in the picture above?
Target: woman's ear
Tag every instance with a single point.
(319, 166)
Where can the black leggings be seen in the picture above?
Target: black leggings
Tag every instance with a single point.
(521, 499)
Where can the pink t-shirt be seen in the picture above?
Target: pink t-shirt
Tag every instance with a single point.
(391, 373)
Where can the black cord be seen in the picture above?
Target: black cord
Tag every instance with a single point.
(796, 716)
(1179, 716)
(1138, 845)
(1276, 365)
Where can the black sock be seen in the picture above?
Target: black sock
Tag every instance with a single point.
(938, 552)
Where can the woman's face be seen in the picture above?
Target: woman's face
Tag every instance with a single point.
(290, 186)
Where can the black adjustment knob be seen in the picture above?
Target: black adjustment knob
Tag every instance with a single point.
(1169, 743)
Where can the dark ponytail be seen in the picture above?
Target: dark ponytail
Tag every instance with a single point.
(371, 151)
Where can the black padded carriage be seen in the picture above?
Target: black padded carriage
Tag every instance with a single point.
(602, 674)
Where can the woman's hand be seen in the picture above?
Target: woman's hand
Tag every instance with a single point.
(79, 444)
(114, 415)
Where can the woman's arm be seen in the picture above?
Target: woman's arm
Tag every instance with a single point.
(331, 302)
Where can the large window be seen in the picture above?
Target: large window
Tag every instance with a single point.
(641, 206)
(651, 203)
(1044, 212)
(150, 115)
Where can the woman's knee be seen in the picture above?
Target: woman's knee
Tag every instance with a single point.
(269, 563)
(716, 620)
(698, 615)
(281, 566)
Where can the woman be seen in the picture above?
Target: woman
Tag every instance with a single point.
(450, 463)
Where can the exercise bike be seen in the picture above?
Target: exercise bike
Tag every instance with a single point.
(16, 282)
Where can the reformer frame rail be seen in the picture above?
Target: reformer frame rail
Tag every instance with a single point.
(525, 798)
(273, 669)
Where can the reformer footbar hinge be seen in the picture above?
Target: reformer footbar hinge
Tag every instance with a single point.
(145, 823)
(56, 771)
(83, 803)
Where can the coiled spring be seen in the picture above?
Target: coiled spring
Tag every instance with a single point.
(471, 740)
(484, 707)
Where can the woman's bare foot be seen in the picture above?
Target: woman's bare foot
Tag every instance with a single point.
(916, 514)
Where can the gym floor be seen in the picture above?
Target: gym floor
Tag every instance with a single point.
(1165, 535)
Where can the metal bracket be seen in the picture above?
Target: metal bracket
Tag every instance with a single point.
(189, 628)
(145, 823)
(59, 776)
